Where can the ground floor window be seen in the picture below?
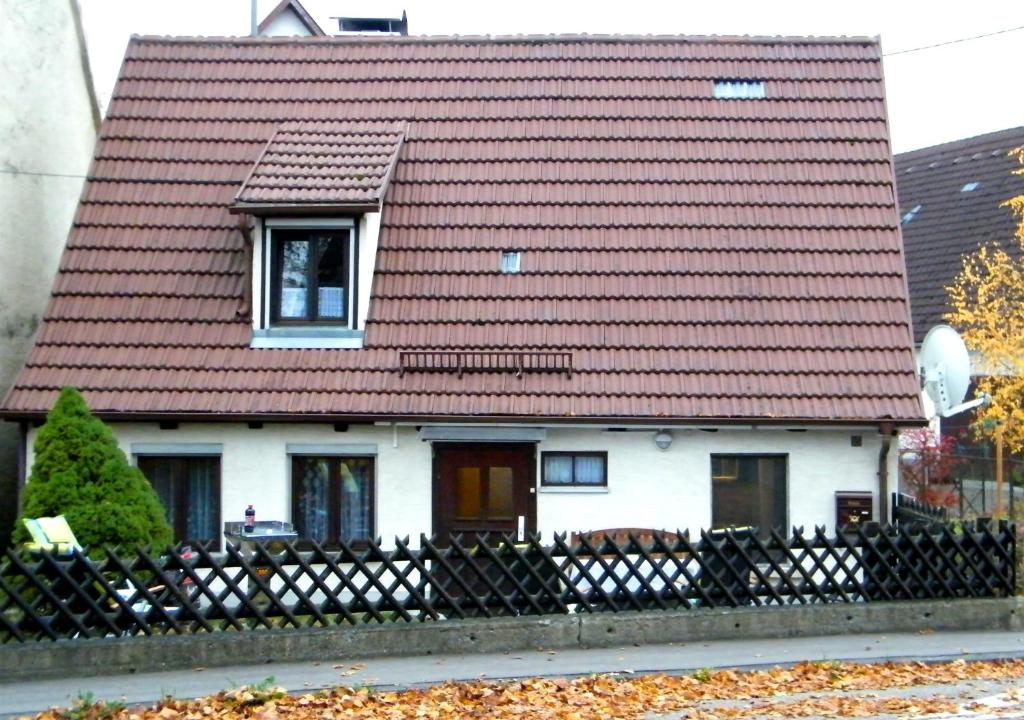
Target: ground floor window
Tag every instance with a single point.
(748, 491)
(189, 488)
(574, 469)
(332, 498)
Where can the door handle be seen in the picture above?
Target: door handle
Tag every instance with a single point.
(521, 529)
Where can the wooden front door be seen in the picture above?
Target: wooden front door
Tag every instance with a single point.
(484, 488)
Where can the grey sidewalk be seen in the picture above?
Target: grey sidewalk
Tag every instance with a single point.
(29, 697)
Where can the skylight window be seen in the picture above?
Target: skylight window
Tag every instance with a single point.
(970, 187)
(910, 215)
(739, 89)
(510, 261)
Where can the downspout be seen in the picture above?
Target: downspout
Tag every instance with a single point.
(886, 430)
(245, 309)
(22, 465)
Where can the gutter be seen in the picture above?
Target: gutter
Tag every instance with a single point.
(610, 421)
(886, 429)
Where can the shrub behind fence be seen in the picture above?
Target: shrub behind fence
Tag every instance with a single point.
(45, 596)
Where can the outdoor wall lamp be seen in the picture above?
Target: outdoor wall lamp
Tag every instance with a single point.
(663, 439)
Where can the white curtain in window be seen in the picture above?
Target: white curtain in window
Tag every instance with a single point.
(201, 499)
(332, 302)
(355, 500)
(589, 470)
(558, 470)
(293, 302)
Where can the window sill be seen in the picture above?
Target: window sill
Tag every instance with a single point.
(307, 338)
(572, 490)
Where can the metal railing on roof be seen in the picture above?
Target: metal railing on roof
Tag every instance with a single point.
(460, 361)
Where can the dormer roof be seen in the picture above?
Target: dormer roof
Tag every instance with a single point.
(322, 167)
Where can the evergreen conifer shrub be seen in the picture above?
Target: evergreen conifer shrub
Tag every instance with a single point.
(80, 472)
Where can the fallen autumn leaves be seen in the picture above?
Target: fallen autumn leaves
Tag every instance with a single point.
(597, 697)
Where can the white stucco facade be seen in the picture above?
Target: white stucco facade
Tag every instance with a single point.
(647, 487)
(48, 125)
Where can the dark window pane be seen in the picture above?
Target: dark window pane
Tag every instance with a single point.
(332, 276)
(189, 489)
(312, 498)
(161, 475)
(201, 498)
(294, 278)
(332, 498)
(356, 477)
(748, 491)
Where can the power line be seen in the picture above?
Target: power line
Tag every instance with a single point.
(954, 42)
(5, 171)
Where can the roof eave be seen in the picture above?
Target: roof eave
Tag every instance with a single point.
(613, 420)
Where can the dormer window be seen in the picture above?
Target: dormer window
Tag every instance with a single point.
(313, 276)
(316, 192)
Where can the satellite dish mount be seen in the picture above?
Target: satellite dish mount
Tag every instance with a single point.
(946, 372)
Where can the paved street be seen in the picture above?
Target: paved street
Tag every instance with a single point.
(978, 700)
(27, 697)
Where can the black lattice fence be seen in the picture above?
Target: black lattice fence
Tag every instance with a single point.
(44, 596)
(906, 508)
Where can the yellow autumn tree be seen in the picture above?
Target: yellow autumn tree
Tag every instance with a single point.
(987, 297)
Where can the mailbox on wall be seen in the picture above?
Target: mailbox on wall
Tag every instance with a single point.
(854, 508)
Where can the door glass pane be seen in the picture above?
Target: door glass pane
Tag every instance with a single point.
(499, 491)
(201, 499)
(293, 280)
(356, 512)
(311, 488)
(557, 469)
(468, 503)
(332, 275)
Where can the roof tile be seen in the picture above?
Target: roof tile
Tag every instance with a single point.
(701, 259)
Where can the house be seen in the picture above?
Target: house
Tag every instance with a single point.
(951, 199)
(48, 125)
(392, 285)
(287, 18)
(950, 203)
(291, 18)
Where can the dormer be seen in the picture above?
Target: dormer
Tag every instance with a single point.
(315, 194)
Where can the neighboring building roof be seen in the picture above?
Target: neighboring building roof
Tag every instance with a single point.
(323, 165)
(300, 13)
(945, 214)
(701, 259)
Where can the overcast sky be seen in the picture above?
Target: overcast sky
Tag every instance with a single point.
(935, 95)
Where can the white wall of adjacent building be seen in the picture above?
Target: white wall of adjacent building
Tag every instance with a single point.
(48, 126)
(647, 487)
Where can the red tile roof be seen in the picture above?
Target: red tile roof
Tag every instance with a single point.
(950, 222)
(322, 165)
(701, 259)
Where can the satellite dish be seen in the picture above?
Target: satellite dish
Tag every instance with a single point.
(946, 371)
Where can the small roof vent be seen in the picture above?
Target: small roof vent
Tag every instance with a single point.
(739, 89)
(510, 261)
(910, 215)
